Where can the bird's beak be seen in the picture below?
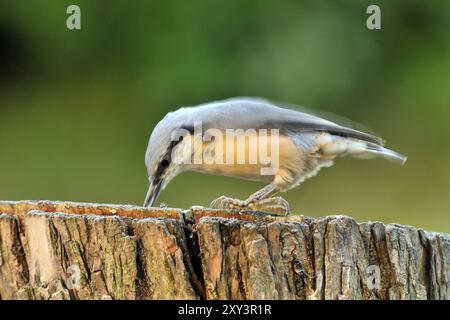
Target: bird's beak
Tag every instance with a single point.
(152, 193)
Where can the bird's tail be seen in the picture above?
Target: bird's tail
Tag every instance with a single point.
(388, 154)
(340, 146)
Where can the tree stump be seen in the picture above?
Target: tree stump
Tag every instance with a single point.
(64, 250)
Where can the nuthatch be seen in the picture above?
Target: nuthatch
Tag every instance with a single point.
(304, 144)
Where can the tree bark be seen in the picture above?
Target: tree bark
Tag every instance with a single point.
(62, 250)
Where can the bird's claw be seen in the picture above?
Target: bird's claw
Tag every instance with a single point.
(276, 205)
(225, 202)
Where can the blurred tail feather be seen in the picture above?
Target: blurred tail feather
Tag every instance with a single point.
(339, 146)
(387, 154)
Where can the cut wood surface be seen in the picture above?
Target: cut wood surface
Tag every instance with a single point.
(64, 250)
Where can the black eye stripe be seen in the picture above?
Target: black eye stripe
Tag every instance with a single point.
(164, 163)
(160, 170)
(166, 159)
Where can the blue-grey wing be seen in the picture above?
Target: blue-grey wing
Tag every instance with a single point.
(257, 113)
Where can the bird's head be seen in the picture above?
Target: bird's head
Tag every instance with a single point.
(165, 150)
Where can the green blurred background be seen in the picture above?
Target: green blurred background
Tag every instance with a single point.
(77, 107)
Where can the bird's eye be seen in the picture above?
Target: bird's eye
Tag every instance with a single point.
(165, 163)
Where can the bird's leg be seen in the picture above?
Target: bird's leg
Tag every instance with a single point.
(264, 193)
(261, 200)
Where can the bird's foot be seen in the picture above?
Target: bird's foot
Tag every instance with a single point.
(275, 205)
(225, 202)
